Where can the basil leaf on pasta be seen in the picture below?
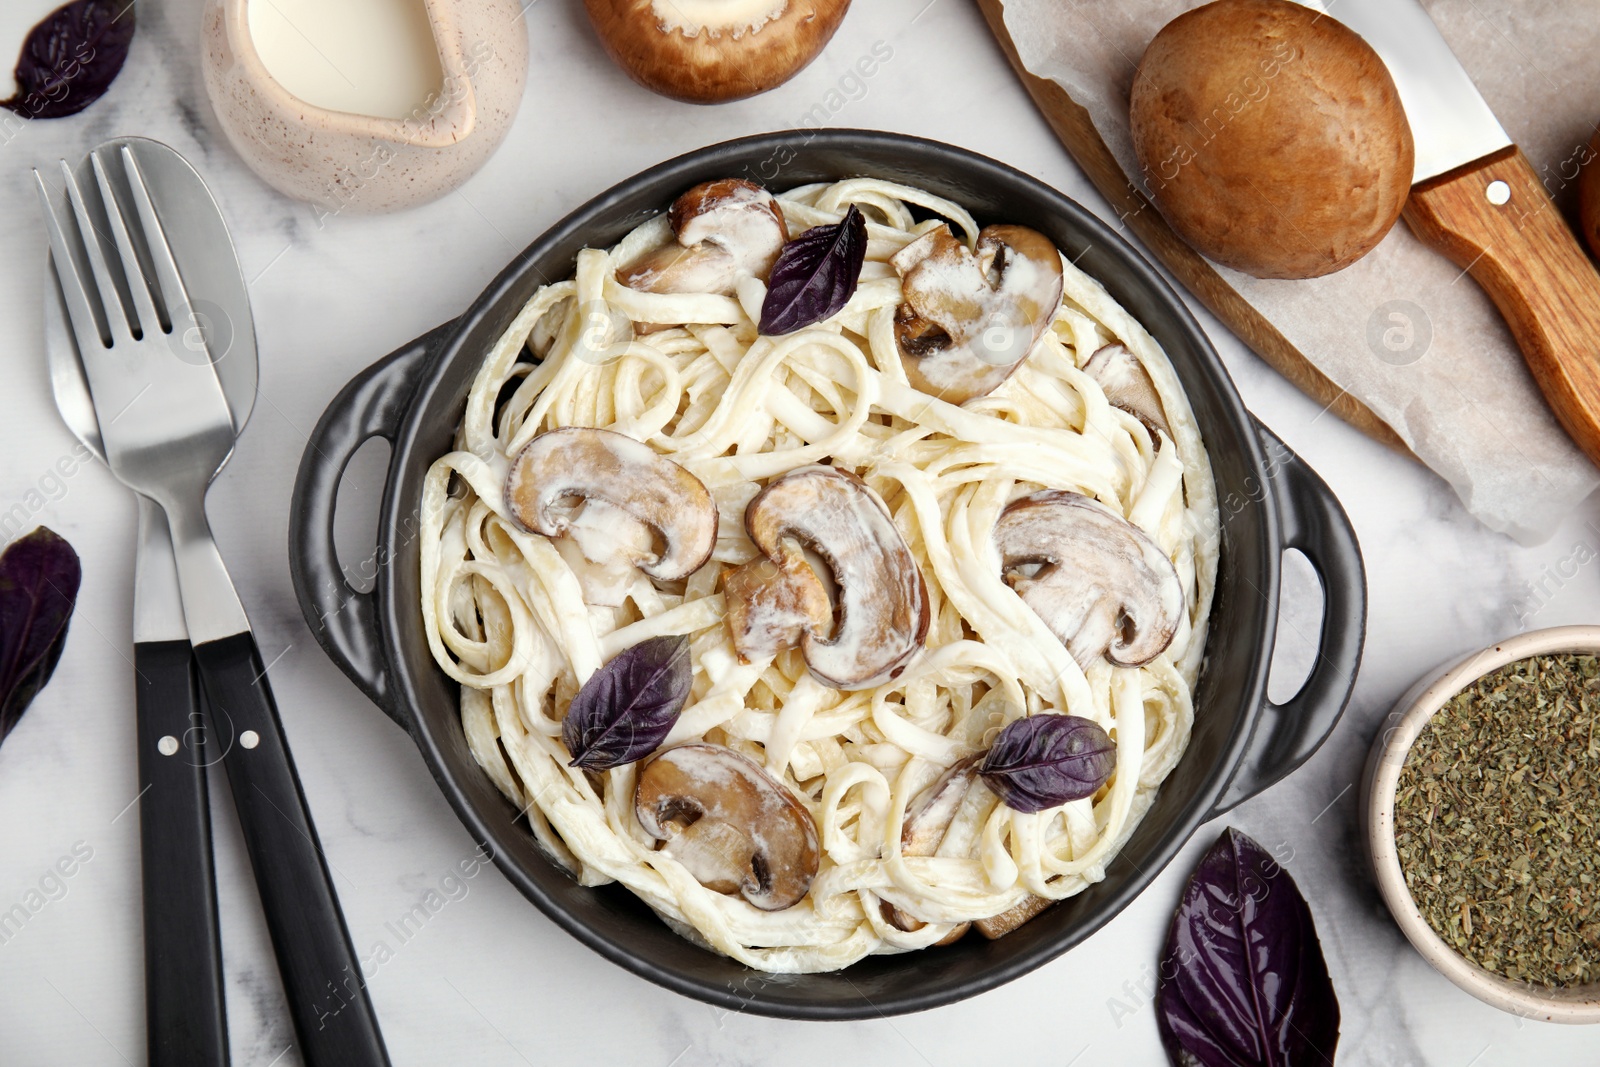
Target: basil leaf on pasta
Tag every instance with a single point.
(816, 275)
(627, 707)
(1045, 760)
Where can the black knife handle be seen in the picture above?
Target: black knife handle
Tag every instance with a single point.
(327, 993)
(185, 1013)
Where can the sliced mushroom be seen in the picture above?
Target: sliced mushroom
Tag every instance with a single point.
(724, 229)
(1127, 385)
(927, 821)
(901, 921)
(773, 605)
(707, 51)
(732, 825)
(996, 926)
(560, 473)
(968, 318)
(1098, 581)
(880, 618)
(929, 816)
(601, 546)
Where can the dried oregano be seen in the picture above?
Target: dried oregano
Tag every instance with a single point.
(1496, 820)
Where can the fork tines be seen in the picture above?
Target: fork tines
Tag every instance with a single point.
(107, 308)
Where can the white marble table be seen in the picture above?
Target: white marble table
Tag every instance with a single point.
(487, 979)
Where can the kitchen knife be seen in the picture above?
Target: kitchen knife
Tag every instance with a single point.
(1476, 199)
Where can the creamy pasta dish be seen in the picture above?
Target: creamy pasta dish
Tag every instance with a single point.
(828, 570)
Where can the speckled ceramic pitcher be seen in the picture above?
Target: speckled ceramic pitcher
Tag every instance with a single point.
(365, 163)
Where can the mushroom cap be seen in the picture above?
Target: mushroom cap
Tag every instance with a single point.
(559, 466)
(709, 51)
(1103, 586)
(881, 615)
(1128, 386)
(1272, 137)
(969, 318)
(724, 229)
(732, 825)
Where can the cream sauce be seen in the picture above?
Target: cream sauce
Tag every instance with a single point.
(366, 57)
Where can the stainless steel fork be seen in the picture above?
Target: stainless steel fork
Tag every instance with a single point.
(166, 428)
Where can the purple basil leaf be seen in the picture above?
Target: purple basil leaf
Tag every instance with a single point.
(39, 576)
(1045, 760)
(1242, 981)
(815, 276)
(71, 58)
(627, 707)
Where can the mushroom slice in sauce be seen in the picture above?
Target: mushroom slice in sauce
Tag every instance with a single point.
(732, 825)
(1100, 583)
(880, 619)
(996, 926)
(724, 229)
(969, 318)
(1127, 385)
(772, 605)
(561, 474)
(927, 821)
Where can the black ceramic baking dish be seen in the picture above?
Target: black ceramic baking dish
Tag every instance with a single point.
(1242, 742)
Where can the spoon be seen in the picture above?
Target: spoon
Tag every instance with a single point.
(184, 1003)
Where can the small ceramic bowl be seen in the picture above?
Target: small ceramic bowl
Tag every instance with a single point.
(341, 161)
(1573, 1004)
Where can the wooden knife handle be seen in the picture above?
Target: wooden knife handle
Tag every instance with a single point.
(1512, 239)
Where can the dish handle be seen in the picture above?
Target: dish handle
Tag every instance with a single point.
(343, 619)
(1313, 521)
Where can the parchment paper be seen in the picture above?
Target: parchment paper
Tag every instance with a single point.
(1402, 329)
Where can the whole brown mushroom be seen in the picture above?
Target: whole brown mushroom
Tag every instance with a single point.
(710, 51)
(1271, 136)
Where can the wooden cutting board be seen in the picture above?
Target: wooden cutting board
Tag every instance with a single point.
(1076, 131)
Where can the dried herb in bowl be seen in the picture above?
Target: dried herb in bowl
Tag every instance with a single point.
(1496, 820)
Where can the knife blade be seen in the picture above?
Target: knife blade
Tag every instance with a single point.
(1451, 123)
(1476, 199)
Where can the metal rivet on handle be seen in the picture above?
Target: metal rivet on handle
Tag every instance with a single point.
(1498, 192)
(167, 745)
(249, 739)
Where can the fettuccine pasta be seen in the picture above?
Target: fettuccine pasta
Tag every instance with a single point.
(689, 375)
